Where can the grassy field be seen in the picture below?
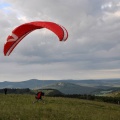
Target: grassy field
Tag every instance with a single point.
(21, 107)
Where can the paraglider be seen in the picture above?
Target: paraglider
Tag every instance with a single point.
(23, 30)
(39, 96)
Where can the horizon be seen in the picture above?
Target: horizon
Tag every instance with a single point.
(67, 79)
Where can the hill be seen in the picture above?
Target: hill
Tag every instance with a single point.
(49, 92)
(114, 94)
(35, 83)
(97, 87)
(70, 88)
(20, 107)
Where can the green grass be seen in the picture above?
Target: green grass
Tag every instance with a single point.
(20, 107)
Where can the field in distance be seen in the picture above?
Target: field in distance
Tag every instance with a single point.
(21, 107)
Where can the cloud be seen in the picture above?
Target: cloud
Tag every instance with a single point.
(91, 51)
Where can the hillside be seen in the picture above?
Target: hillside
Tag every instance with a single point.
(49, 92)
(55, 109)
(96, 87)
(114, 94)
(35, 83)
(70, 88)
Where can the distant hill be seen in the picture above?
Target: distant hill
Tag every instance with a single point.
(68, 86)
(35, 83)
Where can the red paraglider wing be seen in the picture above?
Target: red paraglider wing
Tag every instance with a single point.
(21, 31)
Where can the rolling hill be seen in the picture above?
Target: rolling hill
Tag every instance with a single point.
(96, 87)
(70, 88)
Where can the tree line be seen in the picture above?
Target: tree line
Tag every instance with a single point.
(115, 100)
(16, 91)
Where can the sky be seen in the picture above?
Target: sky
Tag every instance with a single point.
(92, 50)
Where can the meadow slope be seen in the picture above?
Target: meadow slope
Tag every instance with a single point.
(21, 107)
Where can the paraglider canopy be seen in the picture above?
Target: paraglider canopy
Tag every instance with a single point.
(21, 31)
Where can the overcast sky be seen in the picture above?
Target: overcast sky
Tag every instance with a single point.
(92, 50)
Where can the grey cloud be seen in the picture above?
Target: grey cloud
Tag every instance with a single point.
(93, 42)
